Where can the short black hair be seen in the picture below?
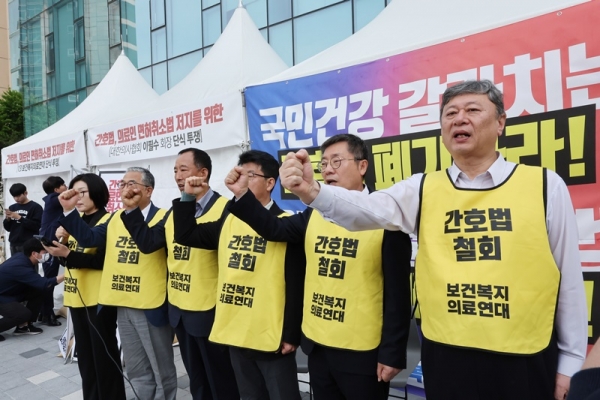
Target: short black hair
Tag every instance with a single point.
(97, 190)
(53, 182)
(356, 145)
(201, 159)
(268, 163)
(17, 189)
(32, 245)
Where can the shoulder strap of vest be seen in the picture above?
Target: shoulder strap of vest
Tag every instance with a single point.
(545, 190)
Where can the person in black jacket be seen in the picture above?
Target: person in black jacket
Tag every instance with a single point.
(22, 219)
(53, 186)
(94, 326)
(20, 282)
(259, 306)
(357, 293)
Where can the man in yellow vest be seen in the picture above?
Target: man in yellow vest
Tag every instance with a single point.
(135, 283)
(357, 294)
(498, 274)
(259, 299)
(192, 280)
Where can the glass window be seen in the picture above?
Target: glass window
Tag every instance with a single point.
(303, 6)
(211, 25)
(157, 8)
(78, 9)
(51, 85)
(81, 75)
(114, 53)
(159, 78)
(258, 12)
(280, 10)
(14, 80)
(206, 50)
(280, 39)
(181, 66)
(147, 74)
(79, 40)
(50, 53)
(51, 112)
(159, 45)
(13, 16)
(365, 11)
(81, 96)
(65, 54)
(114, 24)
(184, 27)
(228, 7)
(315, 32)
(142, 33)
(265, 34)
(208, 3)
(15, 55)
(64, 106)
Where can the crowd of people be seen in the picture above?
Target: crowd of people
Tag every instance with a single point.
(242, 284)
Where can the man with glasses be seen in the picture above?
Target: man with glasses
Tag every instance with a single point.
(259, 291)
(192, 279)
(498, 273)
(135, 283)
(357, 293)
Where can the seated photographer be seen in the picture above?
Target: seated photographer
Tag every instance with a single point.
(20, 282)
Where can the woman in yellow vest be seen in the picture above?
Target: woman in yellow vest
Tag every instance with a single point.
(94, 326)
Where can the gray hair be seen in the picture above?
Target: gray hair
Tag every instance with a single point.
(147, 177)
(475, 87)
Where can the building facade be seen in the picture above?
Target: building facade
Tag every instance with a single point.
(4, 51)
(61, 49)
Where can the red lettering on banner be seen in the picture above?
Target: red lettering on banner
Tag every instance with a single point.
(127, 134)
(11, 159)
(105, 139)
(24, 156)
(197, 118)
(213, 114)
(70, 146)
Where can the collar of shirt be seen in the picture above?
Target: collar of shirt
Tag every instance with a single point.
(494, 176)
(205, 199)
(146, 210)
(269, 205)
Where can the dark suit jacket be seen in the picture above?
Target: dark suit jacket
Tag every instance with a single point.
(148, 240)
(96, 237)
(396, 252)
(207, 235)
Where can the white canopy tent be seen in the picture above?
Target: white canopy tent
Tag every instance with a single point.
(61, 147)
(400, 28)
(239, 57)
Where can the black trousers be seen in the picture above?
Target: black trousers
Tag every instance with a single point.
(329, 382)
(50, 271)
(15, 313)
(208, 367)
(101, 378)
(14, 249)
(465, 374)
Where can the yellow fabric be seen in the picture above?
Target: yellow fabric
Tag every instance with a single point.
(251, 296)
(86, 280)
(485, 275)
(343, 294)
(192, 282)
(131, 278)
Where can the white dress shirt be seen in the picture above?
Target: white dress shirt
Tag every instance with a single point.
(397, 207)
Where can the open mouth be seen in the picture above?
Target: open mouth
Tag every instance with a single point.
(461, 135)
(330, 181)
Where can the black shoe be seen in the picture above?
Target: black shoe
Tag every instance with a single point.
(28, 329)
(51, 321)
(1, 338)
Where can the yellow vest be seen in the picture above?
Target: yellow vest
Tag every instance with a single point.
(131, 278)
(251, 296)
(86, 280)
(485, 275)
(192, 281)
(343, 293)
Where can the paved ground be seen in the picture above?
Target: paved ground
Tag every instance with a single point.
(31, 368)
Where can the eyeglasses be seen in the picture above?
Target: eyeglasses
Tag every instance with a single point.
(130, 184)
(82, 193)
(252, 174)
(335, 163)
